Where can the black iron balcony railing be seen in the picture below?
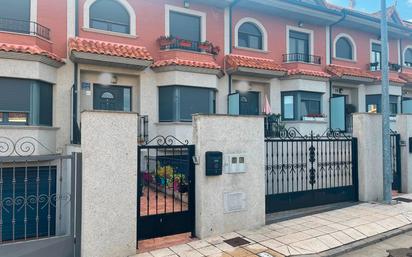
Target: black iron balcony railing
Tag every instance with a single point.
(298, 57)
(376, 66)
(171, 42)
(24, 27)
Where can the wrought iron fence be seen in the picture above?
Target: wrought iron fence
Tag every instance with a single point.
(298, 57)
(25, 27)
(308, 170)
(36, 192)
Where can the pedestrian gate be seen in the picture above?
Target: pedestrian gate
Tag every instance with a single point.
(309, 170)
(166, 188)
(396, 161)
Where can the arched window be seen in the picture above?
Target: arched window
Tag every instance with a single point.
(250, 36)
(344, 48)
(109, 15)
(408, 57)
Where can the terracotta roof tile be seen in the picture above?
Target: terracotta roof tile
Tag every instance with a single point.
(394, 77)
(340, 71)
(25, 49)
(109, 48)
(236, 61)
(312, 73)
(189, 63)
(406, 76)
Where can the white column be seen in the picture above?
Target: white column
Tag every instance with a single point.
(367, 128)
(109, 197)
(245, 192)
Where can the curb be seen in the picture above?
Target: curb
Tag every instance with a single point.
(359, 244)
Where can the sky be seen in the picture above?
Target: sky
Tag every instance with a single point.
(404, 6)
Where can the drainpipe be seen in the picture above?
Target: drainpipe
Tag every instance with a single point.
(230, 43)
(330, 62)
(75, 128)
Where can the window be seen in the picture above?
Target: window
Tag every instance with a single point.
(373, 104)
(179, 103)
(15, 16)
(376, 58)
(250, 36)
(299, 104)
(109, 15)
(408, 57)
(344, 48)
(112, 98)
(298, 43)
(25, 102)
(185, 26)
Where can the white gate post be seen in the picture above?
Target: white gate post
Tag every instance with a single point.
(231, 201)
(404, 127)
(109, 186)
(367, 128)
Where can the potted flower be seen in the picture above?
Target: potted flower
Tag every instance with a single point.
(314, 117)
(185, 43)
(165, 41)
(215, 50)
(205, 46)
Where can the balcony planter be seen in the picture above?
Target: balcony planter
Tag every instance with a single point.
(166, 41)
(394, 67)
(215, 50)
(205, 46)
(185, 43)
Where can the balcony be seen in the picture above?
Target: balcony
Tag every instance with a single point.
(24, 27)
(171, 43)
(305, 58)
(376, 66)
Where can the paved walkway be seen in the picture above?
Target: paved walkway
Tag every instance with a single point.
(380, 249)
(311, 234)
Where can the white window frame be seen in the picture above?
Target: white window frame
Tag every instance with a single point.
(33, 10)
(124, 3)
(298, 29)
(404, 55)
(351, 41)
(172, 8)
(374, 41)
(260, 27)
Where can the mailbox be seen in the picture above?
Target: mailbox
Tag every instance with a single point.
(410, 145)
(214, 163)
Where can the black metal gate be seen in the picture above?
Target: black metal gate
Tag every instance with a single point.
(310, 170)
(396, 161)
(166, 188)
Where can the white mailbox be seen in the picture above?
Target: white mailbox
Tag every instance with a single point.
(235, 163)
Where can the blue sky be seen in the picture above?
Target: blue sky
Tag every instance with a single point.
(404, 6)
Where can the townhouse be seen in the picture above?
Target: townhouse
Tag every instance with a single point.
(313, 62)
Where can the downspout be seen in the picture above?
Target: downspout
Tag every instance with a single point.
(330, 62)
(75, 127)
(230, 44)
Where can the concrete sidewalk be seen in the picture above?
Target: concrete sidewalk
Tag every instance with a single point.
(314, 235)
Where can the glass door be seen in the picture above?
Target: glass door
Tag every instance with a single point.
(337, 112)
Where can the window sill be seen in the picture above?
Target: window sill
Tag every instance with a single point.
(168, 123)
(305, 121)
(117, 34)
(27, 127)
(252, 49)
(344, 60)
(309, 63)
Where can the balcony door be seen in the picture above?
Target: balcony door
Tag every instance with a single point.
(15, 16)
(298, 46)
(185, 26)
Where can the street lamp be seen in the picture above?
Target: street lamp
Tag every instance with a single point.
(387, 175)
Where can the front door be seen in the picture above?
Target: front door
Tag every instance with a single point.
(111, 98)
(249, 103)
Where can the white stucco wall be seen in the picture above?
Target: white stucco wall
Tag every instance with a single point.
(27, 70)
(404, 128)
(109, 200)
(369, 155)
(230, 135)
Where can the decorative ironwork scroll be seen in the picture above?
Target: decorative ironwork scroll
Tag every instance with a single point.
(24, 146)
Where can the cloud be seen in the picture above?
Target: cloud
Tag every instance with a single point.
(409, 2)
